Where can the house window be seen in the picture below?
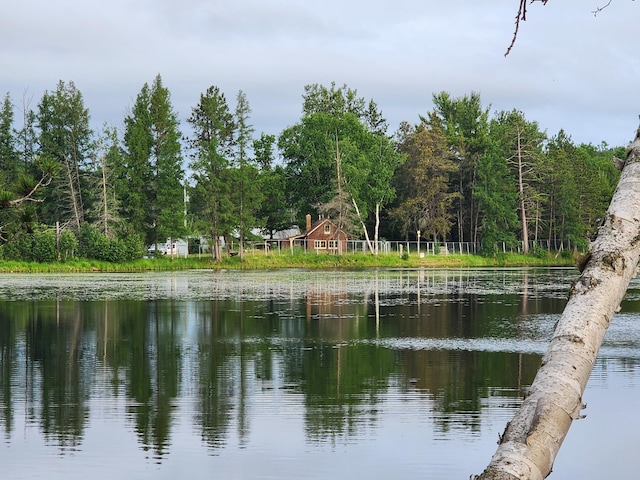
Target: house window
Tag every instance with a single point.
(327, 229)
(320, 244)
(333, 244)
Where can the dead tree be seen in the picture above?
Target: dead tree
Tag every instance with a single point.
(532, 439)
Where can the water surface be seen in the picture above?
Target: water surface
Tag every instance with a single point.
(294, 374)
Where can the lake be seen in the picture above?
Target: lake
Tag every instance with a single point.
(372, 374)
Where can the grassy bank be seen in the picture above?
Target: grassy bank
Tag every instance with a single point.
(263, 262)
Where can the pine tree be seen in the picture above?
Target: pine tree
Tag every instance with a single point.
(134, 173)
(247, 194)
(65, 136)
(211, 146)
(423, 181)
(166, 203)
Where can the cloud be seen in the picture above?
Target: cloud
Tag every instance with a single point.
(568, 69)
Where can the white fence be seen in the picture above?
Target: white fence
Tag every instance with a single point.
(412, 247)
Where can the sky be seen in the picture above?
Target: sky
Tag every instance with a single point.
(569, 69)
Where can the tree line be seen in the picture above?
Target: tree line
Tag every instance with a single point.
(461, 173)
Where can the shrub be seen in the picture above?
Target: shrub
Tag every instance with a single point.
(39, 246)
(67, 245)
(538, 251)
(96, 245)
(44, 247)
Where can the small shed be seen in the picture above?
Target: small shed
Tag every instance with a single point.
(322, 236)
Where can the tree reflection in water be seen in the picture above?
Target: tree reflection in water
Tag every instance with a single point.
(222, 350)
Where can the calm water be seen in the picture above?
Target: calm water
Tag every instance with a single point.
(291, 374)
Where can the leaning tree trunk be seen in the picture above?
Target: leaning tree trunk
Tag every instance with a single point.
(532, 439)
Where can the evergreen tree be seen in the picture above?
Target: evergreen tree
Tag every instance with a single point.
(9, 163)
(65, 136)
(423, 181)
(211, 145)
(134, 173)
(522, 142)
(151, 176)
(465, 123)
(21, 188)
(167, 201)
(247, 196)
(496, 197)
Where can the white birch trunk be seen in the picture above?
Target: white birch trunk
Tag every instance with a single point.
(523, 212)
(364, 227)
(376, 238)
(533, 438)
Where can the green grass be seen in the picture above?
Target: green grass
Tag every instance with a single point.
(260, 261)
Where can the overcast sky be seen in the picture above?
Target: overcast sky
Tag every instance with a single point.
(569, 68)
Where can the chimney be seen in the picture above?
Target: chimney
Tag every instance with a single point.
(308, 222)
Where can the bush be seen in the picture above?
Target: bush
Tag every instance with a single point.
(96, 245)
(538, 251)
(39, 246)
(67, 246)
(44, 247)
(489, 249)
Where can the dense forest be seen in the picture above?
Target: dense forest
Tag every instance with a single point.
(460, 173)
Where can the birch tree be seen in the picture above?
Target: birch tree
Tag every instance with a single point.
(532, 439)
(339, 159)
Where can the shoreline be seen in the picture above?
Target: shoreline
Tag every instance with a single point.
(305, 261)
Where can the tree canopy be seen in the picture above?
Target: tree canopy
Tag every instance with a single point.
(461, 173)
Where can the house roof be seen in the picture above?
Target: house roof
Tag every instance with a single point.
(314, 226)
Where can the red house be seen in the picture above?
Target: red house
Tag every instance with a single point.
(322, 236)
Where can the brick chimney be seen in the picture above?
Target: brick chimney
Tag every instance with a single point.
(308, 222)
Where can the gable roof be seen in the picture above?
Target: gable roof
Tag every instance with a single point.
(314, 226)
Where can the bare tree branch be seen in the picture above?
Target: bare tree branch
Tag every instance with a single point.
(521, 15)
(599, 9)
(44, 181)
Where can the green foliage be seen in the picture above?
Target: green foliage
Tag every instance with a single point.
(274, 211)
(496, 198)
(425, 197)
(39, 246)
(65, 136)
(211, 145)
(465, 124)
(539, 252)
(458, 175)
(44, 247)
(339, 161)
(67, 245)
(93, 244)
